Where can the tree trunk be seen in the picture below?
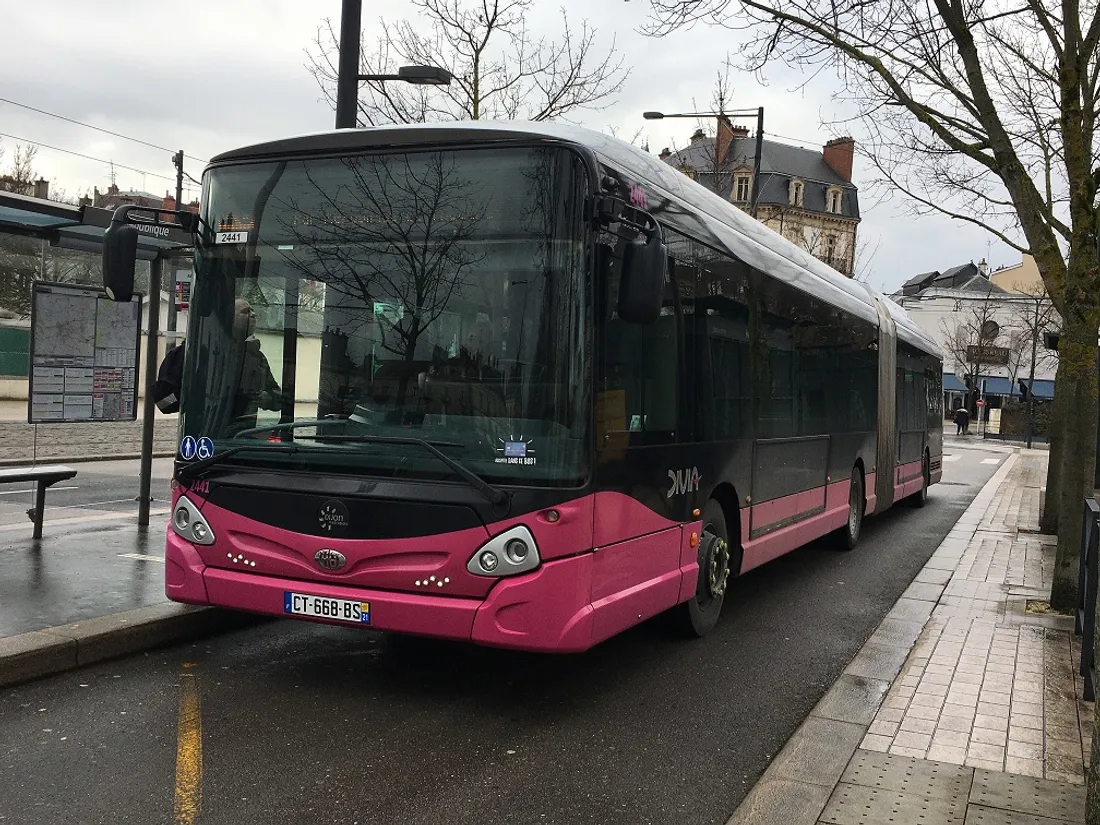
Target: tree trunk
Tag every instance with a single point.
(1077, 348)
(1048, 522)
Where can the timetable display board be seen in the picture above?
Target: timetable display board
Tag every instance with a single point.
(84, 355)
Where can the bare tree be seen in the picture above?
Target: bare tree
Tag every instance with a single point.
(395, 241)
(501, 71)
(20, 176)
(863, 257)
(1017, 347)
(970, 337)
(24, 260)
(989, 117)
(1034, 315)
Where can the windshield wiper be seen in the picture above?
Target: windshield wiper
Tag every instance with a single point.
(189, 470)
(494, 494)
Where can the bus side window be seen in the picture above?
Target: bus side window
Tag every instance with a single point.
(719, 347)
(639, 370)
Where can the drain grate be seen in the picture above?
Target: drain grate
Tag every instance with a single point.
(1028, 794)
(903, 774)
(857, 805)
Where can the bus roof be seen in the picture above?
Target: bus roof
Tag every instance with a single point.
(742, 235)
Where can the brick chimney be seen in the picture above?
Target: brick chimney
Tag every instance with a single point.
(722, 140)
(838, 153)
(665, 153)
(169, 201)
(42, 189)
(698, 135)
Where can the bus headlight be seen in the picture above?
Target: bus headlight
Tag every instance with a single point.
(513, 551)
(188, 522)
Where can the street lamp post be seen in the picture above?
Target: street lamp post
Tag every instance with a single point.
(347, 84)
(348, 78)
(759, 112)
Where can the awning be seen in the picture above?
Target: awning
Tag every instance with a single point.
(952, 384)
(999, 385)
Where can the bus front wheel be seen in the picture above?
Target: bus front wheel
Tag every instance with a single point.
(698, 615)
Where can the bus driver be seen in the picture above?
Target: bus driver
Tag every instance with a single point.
(256, 386)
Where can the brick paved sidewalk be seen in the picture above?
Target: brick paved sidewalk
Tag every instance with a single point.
(987, 684)
(983, 722)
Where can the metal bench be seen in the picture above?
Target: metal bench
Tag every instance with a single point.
(44, 475)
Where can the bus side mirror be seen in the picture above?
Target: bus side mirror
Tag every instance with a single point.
(120, 242)
(642, 285)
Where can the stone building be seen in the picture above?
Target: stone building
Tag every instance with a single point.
(805, 195)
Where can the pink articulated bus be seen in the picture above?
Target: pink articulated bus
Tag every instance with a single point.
(522, 385)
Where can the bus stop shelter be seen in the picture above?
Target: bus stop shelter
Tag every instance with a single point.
(81, 228)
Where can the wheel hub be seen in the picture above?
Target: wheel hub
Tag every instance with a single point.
(717, 567)
(855, 499)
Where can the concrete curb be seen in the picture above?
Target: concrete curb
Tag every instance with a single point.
(44, 652)
(796, 786)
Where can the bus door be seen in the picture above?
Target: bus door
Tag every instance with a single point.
(639, 412)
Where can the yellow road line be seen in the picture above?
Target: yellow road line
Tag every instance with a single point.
(188, 799)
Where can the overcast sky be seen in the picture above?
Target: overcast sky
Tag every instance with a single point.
(240, 77)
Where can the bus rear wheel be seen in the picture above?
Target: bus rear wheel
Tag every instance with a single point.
(698, 615)
(920, 498)
(847, 537)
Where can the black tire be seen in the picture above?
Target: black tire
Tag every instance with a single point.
(847, 537)
(920, 498)
(698, 615)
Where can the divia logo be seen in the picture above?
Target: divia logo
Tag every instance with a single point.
(684, 481)
(638, 196)
(333, 517)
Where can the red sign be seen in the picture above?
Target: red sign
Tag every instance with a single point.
(981, 403)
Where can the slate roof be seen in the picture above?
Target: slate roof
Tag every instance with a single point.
(779, 164)
(965, 278)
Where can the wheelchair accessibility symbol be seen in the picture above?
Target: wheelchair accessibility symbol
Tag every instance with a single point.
(205, 448)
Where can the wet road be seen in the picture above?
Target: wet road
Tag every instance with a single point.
(290, 722)
(98, 486)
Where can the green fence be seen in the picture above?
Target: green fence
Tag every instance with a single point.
(15, 352)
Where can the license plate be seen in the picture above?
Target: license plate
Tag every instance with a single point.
(321, 607)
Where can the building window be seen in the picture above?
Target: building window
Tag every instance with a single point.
(834, 201)
(742, 188)
(830, 248)
(796, 192)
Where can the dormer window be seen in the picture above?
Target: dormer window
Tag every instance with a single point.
(742, 188)
(797, 192)
(834, 201)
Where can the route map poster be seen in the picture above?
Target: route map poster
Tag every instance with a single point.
(84, 350)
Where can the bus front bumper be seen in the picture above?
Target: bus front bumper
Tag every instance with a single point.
(545, 610)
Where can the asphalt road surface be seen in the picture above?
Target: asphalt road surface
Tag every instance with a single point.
(291, 722)
(98, 486)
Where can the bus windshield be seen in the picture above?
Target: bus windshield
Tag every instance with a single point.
(392, 299)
